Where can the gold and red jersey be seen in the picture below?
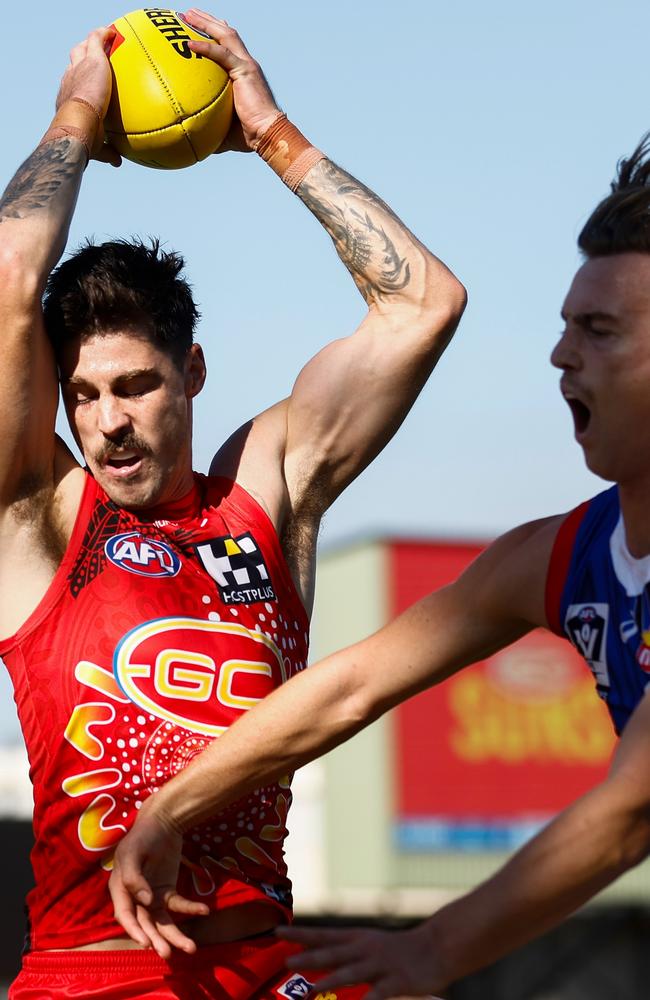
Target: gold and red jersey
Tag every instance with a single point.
(158, 630)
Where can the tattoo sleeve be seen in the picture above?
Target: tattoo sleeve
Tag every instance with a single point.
(41, 198)
(369, 238)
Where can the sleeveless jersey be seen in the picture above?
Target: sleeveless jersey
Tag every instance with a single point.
(156, 633)
(598, 597)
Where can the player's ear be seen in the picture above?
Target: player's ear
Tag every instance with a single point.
(195, 371)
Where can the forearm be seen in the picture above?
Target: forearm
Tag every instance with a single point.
(382, 256)
(388, 264)
(313, 712)
(325, 705)
(390, 267)
(578, 854)
(303, 719)
(37, 207)
(35, 212)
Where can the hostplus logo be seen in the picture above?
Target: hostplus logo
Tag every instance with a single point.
(238, 568)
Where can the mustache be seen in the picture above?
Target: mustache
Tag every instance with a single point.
(130, 442)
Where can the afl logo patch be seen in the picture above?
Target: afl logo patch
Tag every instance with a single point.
(141, 555)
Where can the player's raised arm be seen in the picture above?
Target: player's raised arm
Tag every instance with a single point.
(350, 399)
(35, 214)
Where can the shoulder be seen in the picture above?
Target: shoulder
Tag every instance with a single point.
(524, 571)
(509, 577)
(253, 457)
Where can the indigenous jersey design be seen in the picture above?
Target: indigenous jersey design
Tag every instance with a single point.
(598, 597)
(152, 638)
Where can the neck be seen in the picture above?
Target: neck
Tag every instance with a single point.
(635, 508)
(181, 505)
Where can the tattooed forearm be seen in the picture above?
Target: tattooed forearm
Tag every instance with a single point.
(369, 238)
(37, 184)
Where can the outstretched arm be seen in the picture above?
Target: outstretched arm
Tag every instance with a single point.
(584, 849)
(498, 599)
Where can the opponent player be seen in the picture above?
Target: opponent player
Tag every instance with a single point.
(146, 607)
(585, 575)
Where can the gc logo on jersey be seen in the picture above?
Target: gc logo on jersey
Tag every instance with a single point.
(141, 555)
(237, 566)
(195, 673)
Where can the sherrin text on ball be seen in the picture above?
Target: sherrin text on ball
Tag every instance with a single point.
(170, 107)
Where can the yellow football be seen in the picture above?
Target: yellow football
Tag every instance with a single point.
(170, 107)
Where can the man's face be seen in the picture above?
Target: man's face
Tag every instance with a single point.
(129, 408)
(604, 354)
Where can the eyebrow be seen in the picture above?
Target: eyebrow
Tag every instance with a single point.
(587, 318)
(122, 377)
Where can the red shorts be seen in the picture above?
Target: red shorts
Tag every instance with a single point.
(244, 970)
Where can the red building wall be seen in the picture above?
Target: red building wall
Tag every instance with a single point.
(484, 759)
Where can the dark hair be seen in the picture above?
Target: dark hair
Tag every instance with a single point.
(121, 284)
(621, 222)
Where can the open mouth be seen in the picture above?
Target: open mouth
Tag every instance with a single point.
(581, 414)
(123, 465)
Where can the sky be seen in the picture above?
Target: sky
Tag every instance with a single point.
(491, 129)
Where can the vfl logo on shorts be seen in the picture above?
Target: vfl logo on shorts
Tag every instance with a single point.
(586, 627)
(141, 555)
(277, 892)
(295, 988)
(237, 567)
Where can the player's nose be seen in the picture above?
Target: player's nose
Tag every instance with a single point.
(112, 416)
(566, 354)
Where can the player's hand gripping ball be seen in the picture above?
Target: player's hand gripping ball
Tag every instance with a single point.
(170, 107)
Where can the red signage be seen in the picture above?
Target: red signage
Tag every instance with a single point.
(493, 752)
